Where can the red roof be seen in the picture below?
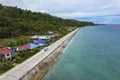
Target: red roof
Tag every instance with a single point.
(25, 47)
(4, 51)
(57, 34)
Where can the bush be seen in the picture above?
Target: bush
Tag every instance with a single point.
(5, 65)
(23, 55)
(18, 59)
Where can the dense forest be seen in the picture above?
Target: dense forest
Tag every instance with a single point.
(15, 22)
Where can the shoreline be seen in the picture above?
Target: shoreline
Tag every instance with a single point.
(68, 44)
(39, 64)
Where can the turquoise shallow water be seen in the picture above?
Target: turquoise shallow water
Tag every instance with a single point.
(94, 54)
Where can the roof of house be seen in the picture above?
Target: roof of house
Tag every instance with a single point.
(44, 37)
(50, 32)
(35, 37)
(28, 46)
(24, 47)
(40, 42)
(32, 46)
(5, 51)
(57, 34)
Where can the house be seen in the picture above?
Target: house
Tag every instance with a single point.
(28, 46)
(5, 53)
(14, 51)
(32, 46)
(35, 37)
(57, 34)
(52, 34)
(24, 47)
(40, 42)
(46, 38)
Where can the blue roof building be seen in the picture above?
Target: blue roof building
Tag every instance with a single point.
(33, 46)
(40, 42)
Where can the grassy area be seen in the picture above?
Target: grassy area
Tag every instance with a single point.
(13, 42)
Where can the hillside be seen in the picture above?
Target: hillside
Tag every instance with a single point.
(16, 22)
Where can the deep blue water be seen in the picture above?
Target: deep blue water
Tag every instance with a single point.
(93, 54)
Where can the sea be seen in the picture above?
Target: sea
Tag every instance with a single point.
(93, 54)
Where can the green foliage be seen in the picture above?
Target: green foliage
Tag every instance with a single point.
(5, 65)
(18, 42)
(34, 51)
(18, 59)
(15, 22)
(23, 55)
(12, 43)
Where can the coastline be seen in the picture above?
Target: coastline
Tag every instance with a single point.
(40, 63)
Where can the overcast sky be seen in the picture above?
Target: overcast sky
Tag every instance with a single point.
(69, 8)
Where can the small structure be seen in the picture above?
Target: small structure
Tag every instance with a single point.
(57, 34)
(52, 34)
(35, 37)
(46, 38)
(5, 53)
(24, 47)
(40, 42)
(32, 46)
(14, 51)
(28, 46)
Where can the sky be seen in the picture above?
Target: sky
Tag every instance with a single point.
(98, 11)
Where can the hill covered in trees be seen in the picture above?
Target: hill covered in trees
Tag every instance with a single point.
(15, 22)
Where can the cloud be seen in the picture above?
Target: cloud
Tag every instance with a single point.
(84, 14)
(111, 19)
(106, 6)
(69, 8)
(91, 8)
